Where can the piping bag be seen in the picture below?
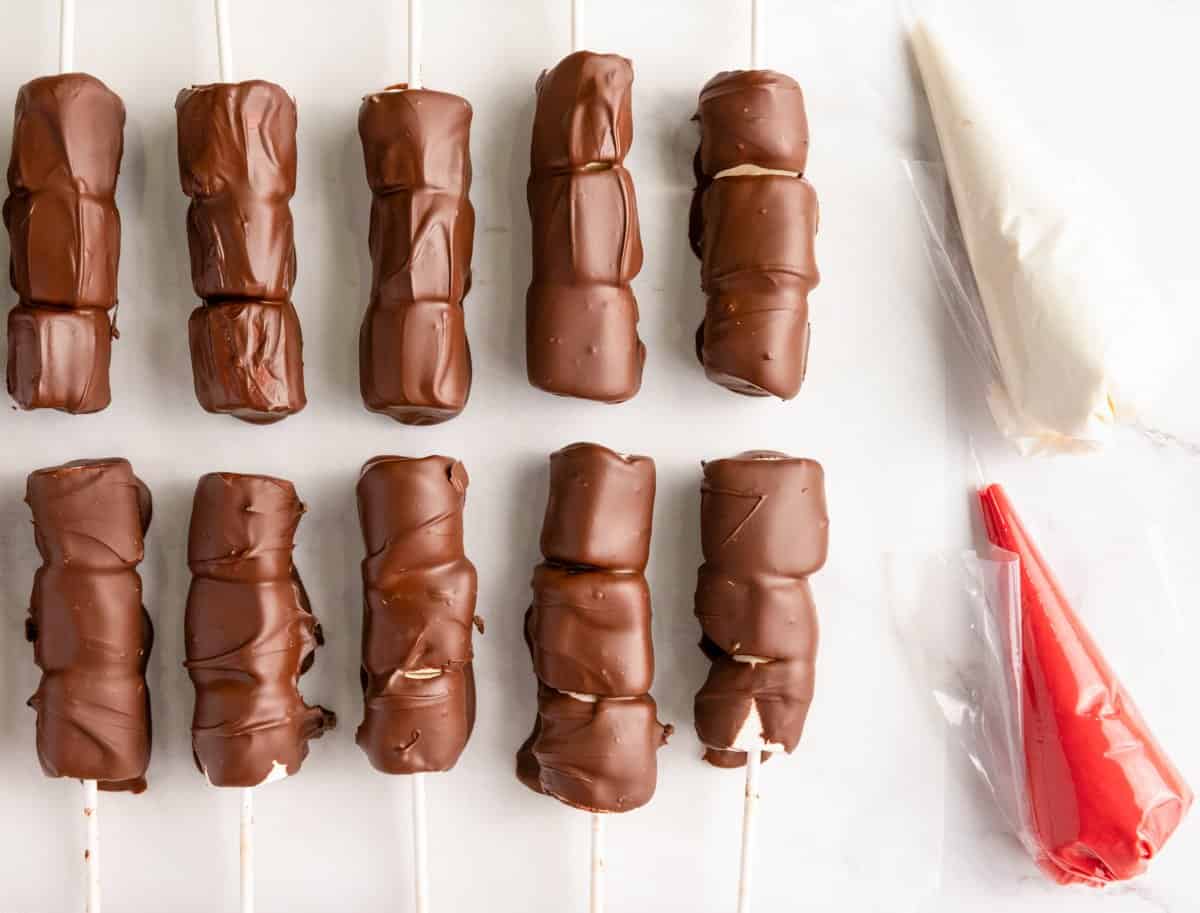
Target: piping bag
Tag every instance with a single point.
(1102, 796)
(1035, 265)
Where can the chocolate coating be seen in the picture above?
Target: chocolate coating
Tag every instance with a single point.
(249, 630)
(91, 636)
(65, 236)
(600, 509)
(588, 630)
(752, 117)
(414, 360)
(781, 692)
(237, 162)
(754, 233)
(764, 529)
(581, 314)
(598, 756)
(418, 613)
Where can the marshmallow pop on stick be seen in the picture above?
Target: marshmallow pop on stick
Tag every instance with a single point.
(596, 734)
(419, 613)
(65, 236)
(414, 360)
(753, 226)
(91, 635)
(581, 315)
(250, 634)
(237, 162)
(764, 530)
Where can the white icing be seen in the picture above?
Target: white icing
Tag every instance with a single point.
(1074, 328)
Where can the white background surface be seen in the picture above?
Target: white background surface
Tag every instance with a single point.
(871, 813)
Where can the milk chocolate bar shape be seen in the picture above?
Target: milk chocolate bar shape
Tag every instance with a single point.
(237, 161)
(91, 635)
(65, 234)
(250, 632)
(764, 530)
(581, 314)
(414, 360)
(418, 615)
(753, 224)
(596, 734)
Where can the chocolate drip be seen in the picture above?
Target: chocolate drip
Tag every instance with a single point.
(764, 530)
(419, 611)
(581, 314)
(237, 161)
(65, 233)
(596, 734)
(91, 636)
(250, 632)
(754, 232)
(414, 360)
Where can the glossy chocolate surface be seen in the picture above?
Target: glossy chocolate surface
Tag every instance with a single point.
(414, 360)
(596, 735)
(249, 632)
(581, 314)
(237, 162)
(91, 636)
(418, 614)
(764, 530)
(65, 237)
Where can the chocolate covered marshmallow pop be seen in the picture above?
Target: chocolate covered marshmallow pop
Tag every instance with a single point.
(596, 736)
(764, 529)
(414, 361)
(91, 635)
(418, 617)
(581, 315)
(237, 161)
(753, 225)
(65, 234)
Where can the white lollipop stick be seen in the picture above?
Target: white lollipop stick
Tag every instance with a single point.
(577, 17)
(414, 44)
(758, 34)
(66, 36)
(247, 851)
(749, 813)
(420, 844)
(596, 903)
(91, 845)
(224, 40)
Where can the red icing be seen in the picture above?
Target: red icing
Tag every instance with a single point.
(1103, 796)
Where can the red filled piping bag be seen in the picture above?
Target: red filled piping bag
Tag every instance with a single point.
(1103, 796)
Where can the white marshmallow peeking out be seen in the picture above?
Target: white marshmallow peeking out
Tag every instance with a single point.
(750, 735)
(277, 772)
(753, 171)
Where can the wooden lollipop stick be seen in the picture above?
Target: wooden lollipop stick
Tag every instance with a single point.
(247, 851)
(224, 40)
(91, 845)
(749, 814)
(758, 34)
(414, 44)
(66, 36)
(596, 902)
(420, 843)
(577, 19)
